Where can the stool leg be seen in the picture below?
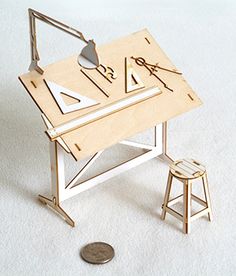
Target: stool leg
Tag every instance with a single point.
(167, 195)
(187, 207)
(191, 189)
(207, 195)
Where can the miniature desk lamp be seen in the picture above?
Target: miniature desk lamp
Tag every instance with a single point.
(88, 58)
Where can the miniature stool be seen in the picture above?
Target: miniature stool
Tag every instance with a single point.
(186, 171)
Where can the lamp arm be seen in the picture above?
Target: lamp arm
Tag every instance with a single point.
(33, 41)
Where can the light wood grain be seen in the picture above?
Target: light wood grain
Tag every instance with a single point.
(186, 174)
(116, 127)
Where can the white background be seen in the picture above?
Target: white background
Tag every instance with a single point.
(199, 37)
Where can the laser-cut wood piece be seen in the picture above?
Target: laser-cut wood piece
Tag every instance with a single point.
(57, 92)
(153, 69)
(128, 121)
(187, 170)
(132, 79)
(54, 133)
(92, 138)
(88, 57)
(95, 83)
(107, 72)
(59, 139)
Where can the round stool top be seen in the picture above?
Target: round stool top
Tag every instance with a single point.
(187, 169)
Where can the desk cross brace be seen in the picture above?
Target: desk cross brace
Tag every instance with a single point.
(62, 191)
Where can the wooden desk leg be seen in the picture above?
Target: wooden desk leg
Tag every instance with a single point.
(57, 181)
(56, 207)
(164, 156)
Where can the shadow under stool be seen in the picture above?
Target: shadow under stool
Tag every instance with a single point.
(187, 170)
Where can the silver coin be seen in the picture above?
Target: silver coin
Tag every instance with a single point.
(97, 253)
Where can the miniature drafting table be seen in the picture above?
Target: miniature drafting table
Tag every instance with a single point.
(134, 88)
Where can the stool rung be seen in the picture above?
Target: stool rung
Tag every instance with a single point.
(199, 214)
(174, 213)
(186, 171)
(199, 200)
(174, 200)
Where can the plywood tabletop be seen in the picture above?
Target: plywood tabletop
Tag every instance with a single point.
(115, 127)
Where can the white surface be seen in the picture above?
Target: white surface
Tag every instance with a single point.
(199, 36)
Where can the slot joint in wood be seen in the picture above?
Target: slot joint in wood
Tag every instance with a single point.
(78, 147)
(34, 85)
(147, 40)
(192, 99)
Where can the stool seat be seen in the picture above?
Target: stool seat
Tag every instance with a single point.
(186, 171)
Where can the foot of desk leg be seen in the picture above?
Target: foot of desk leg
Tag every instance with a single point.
(166, 158)
(57, 208)
(161, 136)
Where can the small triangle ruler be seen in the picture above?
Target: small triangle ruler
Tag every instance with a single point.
(132, 79)
(57, 92)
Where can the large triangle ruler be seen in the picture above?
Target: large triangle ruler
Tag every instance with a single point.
(58, 92)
